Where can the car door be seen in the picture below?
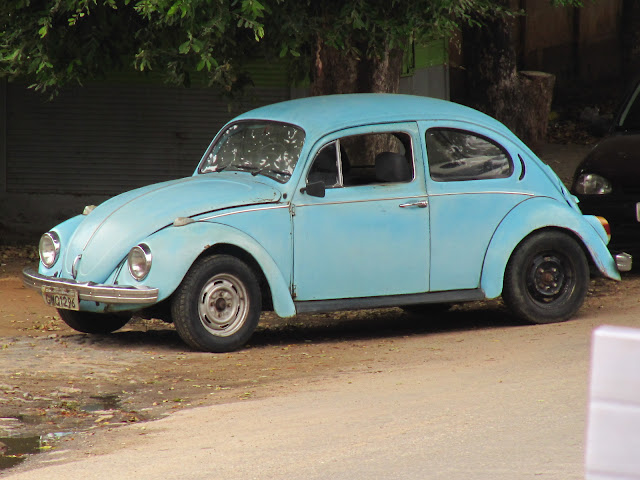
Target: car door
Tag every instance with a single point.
(474, 178)
(369, 235)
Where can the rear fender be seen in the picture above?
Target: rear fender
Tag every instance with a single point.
(536, 214)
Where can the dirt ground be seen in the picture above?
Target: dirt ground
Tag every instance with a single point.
(55, 381)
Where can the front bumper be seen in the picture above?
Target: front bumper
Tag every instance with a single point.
(624, 261)
(93, 292)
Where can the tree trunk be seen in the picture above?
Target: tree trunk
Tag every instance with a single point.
(341, 71)
(381, 74)
(536, 90)
(333, 71)
(336, 71)
(490, 63)
(493, 85)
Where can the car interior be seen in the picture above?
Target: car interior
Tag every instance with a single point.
(364, 160)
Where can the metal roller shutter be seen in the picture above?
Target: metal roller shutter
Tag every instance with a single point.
(106, 139)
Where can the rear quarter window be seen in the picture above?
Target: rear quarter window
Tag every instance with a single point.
(458, 155)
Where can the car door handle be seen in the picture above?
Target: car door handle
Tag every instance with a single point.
(422, 204)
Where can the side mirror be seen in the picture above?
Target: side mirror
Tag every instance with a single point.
(315, 189)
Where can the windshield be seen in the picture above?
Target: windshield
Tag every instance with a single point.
(261, 148)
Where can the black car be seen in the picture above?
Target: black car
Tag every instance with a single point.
(607, 181)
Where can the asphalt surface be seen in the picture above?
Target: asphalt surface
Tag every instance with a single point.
(503, 403)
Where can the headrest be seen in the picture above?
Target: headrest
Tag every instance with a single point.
(392, 167)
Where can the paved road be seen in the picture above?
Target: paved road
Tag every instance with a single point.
(504, 403)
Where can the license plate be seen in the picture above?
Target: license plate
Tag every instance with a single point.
(61, 298)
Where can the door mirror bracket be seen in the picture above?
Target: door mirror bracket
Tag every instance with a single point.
(315, 189)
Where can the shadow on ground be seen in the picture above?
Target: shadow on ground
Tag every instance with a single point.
(322, 328)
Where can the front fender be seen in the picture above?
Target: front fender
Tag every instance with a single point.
(65, 231)
(535, 214)
(174, 249)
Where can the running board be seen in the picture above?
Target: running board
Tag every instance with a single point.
(453, 296)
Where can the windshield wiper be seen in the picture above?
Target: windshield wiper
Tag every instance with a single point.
(253, 170)
(249, 168)
(272, 170)
(223, 167)
(230, 164)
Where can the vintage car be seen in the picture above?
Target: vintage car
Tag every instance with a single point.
(330, 203)
(607, 181)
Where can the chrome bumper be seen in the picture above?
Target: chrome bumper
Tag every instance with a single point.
(623, 262)
(93, 292)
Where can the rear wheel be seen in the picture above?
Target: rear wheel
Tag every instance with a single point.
(547, 278)
(89, 322)
(217, 306)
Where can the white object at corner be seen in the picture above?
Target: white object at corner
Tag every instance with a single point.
(613, 427)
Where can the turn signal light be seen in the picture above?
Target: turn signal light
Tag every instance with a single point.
(606, 226)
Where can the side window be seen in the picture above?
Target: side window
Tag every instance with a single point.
(376, 158)
(325, 166)
(456, 155)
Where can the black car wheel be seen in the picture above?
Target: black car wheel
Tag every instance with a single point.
(547, 278)
(217, 306)
(89, 322)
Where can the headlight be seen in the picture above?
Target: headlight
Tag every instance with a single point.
(592, 184)
(49, 249)
(139, 261)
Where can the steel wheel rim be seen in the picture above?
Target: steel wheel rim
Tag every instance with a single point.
(223, 305)
(549, 278)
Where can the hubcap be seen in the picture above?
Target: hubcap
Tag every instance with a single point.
(224, 305)
(549, 277)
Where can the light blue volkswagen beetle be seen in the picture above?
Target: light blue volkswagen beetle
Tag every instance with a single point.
(330, 203)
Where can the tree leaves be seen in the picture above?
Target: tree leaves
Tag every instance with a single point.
(76, 40)
(51, 44)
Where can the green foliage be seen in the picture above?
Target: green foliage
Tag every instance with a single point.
(567, 3)
(296, 29)
(57, 42)
(53, 43)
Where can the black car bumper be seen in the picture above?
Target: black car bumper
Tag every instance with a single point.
(623, 215)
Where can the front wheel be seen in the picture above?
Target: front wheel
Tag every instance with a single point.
(547, 278)
(89, 322)
(217, 306)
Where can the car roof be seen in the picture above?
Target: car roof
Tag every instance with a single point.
(323, 114)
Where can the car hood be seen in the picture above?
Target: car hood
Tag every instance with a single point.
(615, 158)
(106, 235)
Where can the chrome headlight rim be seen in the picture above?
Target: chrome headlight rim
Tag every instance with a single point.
(49, 249)
(592, 184)
(139, 261)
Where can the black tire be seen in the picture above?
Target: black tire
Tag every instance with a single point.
(217, 306)
(426, 309)
(89, 322)
(546, 279)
